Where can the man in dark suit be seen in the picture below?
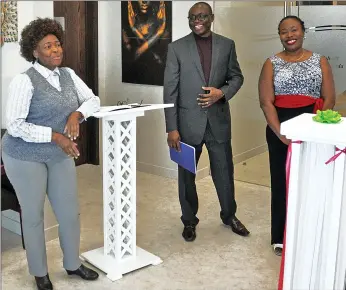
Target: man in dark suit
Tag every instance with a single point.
(202, 74)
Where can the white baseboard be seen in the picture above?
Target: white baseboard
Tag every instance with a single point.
(10, 220)
(168, 172)
(11, 214)
(157, 170)
(201, 173)
(250, 153)
(51, 233)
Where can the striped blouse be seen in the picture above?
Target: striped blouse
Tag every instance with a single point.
(19, 98)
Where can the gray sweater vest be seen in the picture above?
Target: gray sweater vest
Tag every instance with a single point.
(49, 108)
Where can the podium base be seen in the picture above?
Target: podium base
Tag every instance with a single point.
(114, 269)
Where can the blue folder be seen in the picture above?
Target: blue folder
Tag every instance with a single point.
(186, 158)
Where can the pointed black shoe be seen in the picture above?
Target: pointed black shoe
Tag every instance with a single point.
(84, 272)
(238, 227)
(43, 283)
(189, 233)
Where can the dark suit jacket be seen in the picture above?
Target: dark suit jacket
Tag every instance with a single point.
(183, 81)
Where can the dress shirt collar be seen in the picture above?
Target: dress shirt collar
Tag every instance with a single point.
(45, 72)
(200, 38)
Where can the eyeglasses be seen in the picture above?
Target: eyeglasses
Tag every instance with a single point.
(200, 16)
(121, 103)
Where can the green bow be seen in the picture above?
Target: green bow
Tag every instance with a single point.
(328, 117)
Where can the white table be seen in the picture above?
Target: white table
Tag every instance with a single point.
(315, 248)
(120, 255)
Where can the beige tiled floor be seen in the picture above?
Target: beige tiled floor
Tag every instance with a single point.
(218, 259)
(254, 170)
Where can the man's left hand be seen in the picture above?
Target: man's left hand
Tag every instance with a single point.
(206, 100)
(72, 126)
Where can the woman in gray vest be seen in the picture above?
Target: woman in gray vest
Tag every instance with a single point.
(45, 107)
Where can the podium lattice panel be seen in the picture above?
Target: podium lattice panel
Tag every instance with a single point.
(120, 208)
(127, 205)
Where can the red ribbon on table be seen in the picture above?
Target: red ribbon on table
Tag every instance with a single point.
(336, 155)
(288, 172)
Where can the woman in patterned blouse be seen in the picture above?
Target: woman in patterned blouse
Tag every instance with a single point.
(292, 82)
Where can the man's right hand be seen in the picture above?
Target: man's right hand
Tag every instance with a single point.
(173, 140)
(69, 147)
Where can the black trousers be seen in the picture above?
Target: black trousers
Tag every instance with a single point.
(222, 172)
(277, 160)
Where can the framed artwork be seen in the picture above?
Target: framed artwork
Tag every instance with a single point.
(146, 32)
(9, 22)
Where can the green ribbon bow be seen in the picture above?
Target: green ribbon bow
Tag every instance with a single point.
(327, 117)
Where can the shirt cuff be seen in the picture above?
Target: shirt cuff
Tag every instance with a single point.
(46, 135)
(84, 115)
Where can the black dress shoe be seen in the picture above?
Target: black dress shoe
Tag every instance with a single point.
(84, 272)
(43, 283)
(238, 227)
(189, 233)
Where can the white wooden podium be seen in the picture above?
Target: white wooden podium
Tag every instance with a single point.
(120, 255)
(315, 250)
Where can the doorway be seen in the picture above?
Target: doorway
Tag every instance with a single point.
(80, 23)
(253, 27)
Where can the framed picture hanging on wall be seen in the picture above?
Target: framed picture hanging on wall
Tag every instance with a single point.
(146, 32)
(9, 22)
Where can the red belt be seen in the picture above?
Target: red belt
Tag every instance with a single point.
(298, 101)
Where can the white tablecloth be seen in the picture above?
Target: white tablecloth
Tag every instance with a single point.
(315, 250)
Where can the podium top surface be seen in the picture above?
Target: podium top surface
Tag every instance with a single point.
(106, 111)
(303, 128)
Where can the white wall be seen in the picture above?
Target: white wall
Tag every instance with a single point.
(152, 150)
(254, 44)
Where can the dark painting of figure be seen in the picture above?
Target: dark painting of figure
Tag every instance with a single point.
(146, 33)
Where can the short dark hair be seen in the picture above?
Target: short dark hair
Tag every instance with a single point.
(34, 32)
(292, 17)
(203, 3)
